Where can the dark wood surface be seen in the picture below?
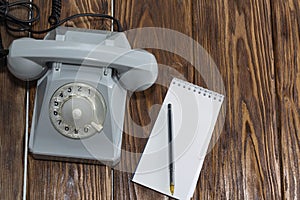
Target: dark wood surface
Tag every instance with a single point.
(12, 126)
(286, 28)
(12, 129)
(244, 164)
(255, 45)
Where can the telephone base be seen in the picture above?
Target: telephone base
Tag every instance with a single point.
(102, 147)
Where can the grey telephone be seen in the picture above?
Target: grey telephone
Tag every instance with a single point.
(81, 92)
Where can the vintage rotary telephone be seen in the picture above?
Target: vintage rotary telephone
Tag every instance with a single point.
(81, 92)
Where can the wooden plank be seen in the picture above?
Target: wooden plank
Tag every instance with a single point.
(12, 125)
(286, 28)
(143, 107)
(245, 163)
(62, 180)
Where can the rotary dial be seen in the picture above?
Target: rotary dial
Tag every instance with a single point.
(77, 110)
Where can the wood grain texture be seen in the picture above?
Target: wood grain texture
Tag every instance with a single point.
(63, 180)
(12, 124)
(245, 163)
(286, 28)
(12, 129)
(255, 45)
(143, 107)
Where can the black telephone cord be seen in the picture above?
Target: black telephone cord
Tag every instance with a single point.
(55, 12)
(15, 24)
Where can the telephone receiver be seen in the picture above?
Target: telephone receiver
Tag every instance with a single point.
(83, 77)
(28, 58)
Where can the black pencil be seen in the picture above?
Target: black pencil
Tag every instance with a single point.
(171, 150)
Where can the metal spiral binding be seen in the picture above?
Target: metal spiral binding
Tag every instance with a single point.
(199, 90)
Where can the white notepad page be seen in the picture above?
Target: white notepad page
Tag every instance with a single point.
(195, 111)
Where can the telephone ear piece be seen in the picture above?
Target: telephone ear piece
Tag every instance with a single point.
(139, 79)
(23, 68)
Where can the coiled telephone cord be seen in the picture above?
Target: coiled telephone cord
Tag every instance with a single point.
(55, 13)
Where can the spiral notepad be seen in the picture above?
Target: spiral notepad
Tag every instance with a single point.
(195, 111)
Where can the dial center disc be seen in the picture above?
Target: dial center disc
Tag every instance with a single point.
(76, 113)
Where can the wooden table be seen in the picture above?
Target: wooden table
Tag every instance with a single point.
(256, 46)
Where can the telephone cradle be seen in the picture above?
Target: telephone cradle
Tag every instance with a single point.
(83, 77)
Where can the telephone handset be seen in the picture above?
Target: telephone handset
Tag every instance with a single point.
(81, 92)
(28, 58)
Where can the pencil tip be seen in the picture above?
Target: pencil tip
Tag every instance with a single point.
(172, 189)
